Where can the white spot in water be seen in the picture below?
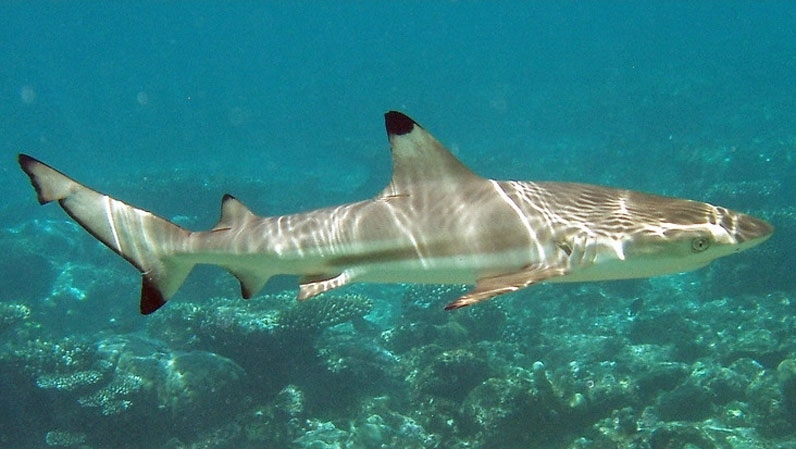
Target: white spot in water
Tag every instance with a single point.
(142, 98)
(27, 94)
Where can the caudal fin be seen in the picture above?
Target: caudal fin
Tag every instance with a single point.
(144, 239)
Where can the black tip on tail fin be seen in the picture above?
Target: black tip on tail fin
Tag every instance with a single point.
(151, 298)
(145, 240)
(398, 124)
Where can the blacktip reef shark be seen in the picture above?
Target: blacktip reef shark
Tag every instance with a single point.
(436, 222)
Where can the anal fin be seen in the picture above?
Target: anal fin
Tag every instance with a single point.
(250, 282)
(492, 286)
(315, 285)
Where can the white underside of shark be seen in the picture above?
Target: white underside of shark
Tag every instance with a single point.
(436, 222)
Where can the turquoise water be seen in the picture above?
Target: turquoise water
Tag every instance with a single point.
(170, 105)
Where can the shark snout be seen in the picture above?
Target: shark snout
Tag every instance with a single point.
(746, 228)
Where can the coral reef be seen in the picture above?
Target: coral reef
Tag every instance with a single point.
(656, 373)
(12, 315)
(63, 438)
(274, 317)
(315, 316)
(126, 378)
(449, 374)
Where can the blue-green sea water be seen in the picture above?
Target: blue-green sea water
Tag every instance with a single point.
(170, 105)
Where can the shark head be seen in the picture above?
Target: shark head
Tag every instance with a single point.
(687, 235)
(621, 234)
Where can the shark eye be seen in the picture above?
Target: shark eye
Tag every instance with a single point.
(700, 244)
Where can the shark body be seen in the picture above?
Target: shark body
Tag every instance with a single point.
(436, 222)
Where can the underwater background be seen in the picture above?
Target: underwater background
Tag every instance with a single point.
(169, 105)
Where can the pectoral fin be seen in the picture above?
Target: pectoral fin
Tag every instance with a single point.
(489, 287)
(315, 285)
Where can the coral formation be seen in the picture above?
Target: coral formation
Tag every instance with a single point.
(278, 373)
(12, 315)
(450, 374)
(64, 438)
(315, 316)
(128, 377)
(272, 317)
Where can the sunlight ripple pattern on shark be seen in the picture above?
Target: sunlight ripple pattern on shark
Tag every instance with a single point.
(436, 222)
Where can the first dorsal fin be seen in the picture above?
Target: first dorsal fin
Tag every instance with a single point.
(419, 158)
(233, 214)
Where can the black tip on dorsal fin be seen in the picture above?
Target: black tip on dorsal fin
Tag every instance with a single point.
(398, 124)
